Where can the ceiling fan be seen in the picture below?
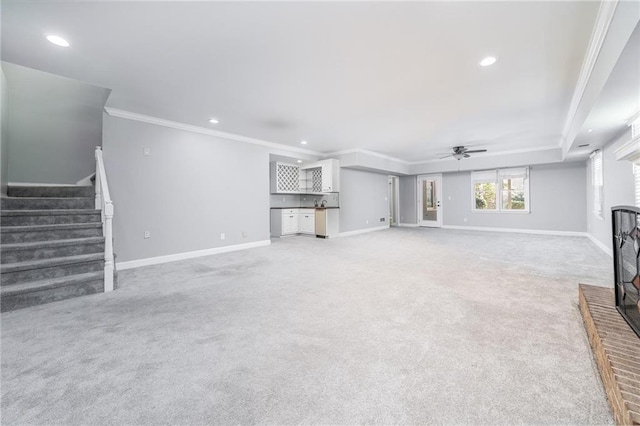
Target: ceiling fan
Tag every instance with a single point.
(460, 152)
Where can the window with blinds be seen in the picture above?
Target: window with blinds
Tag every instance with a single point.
(597, 183)
(636, 181)
(502, 190)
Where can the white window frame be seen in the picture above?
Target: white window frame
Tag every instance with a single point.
(496, 176)
(597, 183)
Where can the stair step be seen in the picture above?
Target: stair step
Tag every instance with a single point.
(38, 250)
(48, 217)
(19, 234)
(41, 203)
(31, 293)
(50, 191)
(12, 273)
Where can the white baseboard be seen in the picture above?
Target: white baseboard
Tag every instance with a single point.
(188, 255)
(408, 225)
(601, 246)
(363, 231)
(518, 231)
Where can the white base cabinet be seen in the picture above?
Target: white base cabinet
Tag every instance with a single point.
(307, 221)
(292, 221)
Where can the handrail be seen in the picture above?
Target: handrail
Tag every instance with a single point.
(105, 205)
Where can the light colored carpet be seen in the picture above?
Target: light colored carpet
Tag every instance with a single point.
(404, 326)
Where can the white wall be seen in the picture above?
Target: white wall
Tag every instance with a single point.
(192, 188)
(55, 123)
(363, 198)
(557, 198)
(618, 190)
(4, 140)
(408, 200)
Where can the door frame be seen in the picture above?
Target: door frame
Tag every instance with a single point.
(395, 181)
(439, 204)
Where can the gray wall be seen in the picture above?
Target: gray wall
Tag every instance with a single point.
(55, 123)
(4, 140)
(618, 189)
(363, 198)
(408, 200)
(191, 188)
(557, 199)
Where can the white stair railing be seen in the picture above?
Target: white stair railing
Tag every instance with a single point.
(105, 205)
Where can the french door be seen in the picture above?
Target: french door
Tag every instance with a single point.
(429, 200)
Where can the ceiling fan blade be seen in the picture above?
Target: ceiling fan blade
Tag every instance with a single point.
(475, 150)
(448, 155)
(466, 155)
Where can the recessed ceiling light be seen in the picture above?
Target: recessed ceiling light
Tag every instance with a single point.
(303, 142)
(213, 121)
(590, 130)
(489, 60)
(57, 40)
(299, 161)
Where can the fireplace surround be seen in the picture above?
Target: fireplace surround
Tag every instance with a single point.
(626, 263)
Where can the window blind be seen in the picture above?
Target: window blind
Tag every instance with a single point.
(636, 181)
(516, 172)
(484, 176)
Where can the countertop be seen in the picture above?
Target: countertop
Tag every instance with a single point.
(298, 207)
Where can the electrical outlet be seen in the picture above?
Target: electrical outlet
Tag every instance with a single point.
(284, 199)
(382, 219)
(147, 235)
(366, 221)
(244, 234)
(146, 151)
(465, 219)
(222, 236)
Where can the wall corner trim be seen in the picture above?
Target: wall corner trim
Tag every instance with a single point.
(114, 112)
(599, 244)
(363, 231)
(121, 266)
(517, 231)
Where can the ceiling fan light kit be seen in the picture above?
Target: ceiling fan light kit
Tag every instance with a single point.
(460, 152)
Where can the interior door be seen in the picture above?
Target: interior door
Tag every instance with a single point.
(429, 200)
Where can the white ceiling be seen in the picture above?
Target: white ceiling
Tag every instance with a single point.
(400, 79)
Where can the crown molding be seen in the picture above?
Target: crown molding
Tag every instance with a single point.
(492, 154)
(600, 29)
(367, 152)
(114, 112)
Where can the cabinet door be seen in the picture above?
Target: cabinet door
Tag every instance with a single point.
(287, 178)
(330, 176)
(289, 223)
(307, 223)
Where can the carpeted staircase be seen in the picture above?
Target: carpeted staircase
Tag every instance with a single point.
(52, 246)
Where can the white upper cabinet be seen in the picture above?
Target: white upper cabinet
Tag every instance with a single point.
(330, 176)
(312, 178)
(285, 178)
